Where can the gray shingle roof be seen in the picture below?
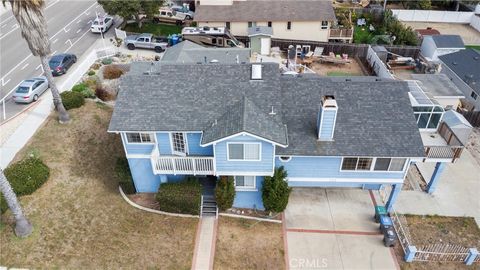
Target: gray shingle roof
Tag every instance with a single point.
(466, 64)
(245, 116)
(260, 30)
(268, 10)
(374, 117)
(189, 52)
(439, 85)
(448, 41)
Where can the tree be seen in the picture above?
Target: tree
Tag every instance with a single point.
(33, 26)
(23, 228)
(275, 191)
(225, 192)
(132, 8)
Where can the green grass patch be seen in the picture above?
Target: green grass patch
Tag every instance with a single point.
(157, 29)
(341, 73)
(476, 47)
(361, 35)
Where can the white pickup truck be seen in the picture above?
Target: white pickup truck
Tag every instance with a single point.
(146, 41)
(168, 15)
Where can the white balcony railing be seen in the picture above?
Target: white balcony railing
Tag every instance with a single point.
(181, 165)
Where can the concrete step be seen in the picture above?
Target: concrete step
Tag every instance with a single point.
(208, 214)
(210, 204)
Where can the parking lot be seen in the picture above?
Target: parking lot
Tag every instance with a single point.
(334, 229)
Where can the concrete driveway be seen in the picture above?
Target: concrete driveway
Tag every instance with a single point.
(334, 229)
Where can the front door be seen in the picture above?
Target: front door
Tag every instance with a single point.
(179, 143)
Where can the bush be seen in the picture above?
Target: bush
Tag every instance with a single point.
(225, 192)
(72, 100)
(275, 191)
(27, 175)
(124, 176)
(182, 197)
(84, 90)
(112, 72)
(103, 94)
(95, 66)
(91, 73)
(107, 61)
(3, 204)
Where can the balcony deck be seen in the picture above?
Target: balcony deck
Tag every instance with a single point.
(188, 165)
(441, 144)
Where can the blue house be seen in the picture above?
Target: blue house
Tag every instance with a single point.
(243, 120)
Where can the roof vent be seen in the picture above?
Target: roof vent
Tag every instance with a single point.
(476, 57)
(214, 61)
(272, 112)
(256, 72)
(455, 63)
(214, 123)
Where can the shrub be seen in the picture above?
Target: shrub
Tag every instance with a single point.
(275, 191)
(95, 66)
(107, 61)
(27, 175)
(91, 73)
(112, 72)
(182, 197)
(72, 100)
(225, 192)
(84, 90)
(103, 94)
(124, 176)
(3, 204)
(92, 82)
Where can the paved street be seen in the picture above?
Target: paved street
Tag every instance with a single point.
(69, 30)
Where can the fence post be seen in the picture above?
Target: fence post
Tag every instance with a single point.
(410, 253)
(472, 254)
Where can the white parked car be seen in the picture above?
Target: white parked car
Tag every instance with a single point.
(30, 90)
(183, 11)
(101, 24)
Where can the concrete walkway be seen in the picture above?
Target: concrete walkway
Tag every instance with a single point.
(205, 244)
(457, 192)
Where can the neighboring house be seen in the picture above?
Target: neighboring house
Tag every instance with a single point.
(437, 45)
(463, 68)
(441, 89)
(243, 120)
(189, 52)
(297, 20)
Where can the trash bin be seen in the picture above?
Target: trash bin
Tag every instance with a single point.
(385, 222)
(379, 210)
(175, 39)
(389, 237)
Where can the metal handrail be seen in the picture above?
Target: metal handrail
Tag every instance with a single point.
(201, 206)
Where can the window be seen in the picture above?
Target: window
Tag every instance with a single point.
(324, 25)
(474, 95)
(269, 24)
(244, 182)
(227, 25)
(428, 116)
(285, 158)
(289, 25)
(179, 144)
(356, 164)
(389, 164)
(250, 24)
(140, 138)
(243, 151)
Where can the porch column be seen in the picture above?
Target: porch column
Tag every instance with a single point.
(432, 184)
(396, 188)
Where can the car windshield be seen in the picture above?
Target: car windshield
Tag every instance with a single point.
(54, 62)
(22, 89)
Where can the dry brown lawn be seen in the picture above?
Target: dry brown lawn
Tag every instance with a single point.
(80, 220)
(245, 244)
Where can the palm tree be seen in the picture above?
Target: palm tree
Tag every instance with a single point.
(29, 15)
(23, 228)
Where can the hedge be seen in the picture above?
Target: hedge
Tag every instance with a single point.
(124, 176)
(225, 192)
(275, 191)
(72, 100)
(182, 197)
(27, 175)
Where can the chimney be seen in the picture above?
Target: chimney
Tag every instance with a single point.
(326, 119)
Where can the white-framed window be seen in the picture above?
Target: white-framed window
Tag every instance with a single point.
(179, 143)
(474, 95)
(289, 25)
(285, 158)
(139, 137)
(243, 151)
(324, 25)
(428, 116)
(373, 164)
(246, 182)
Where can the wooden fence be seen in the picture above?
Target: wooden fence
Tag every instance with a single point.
(473, 117)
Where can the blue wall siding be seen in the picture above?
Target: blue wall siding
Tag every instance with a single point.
(163, 140)
(136, 148)
(328, 167)
(265, 165)
(327, 124)
(250, 199)
(194, 148)
(334, 185)
(143, 177)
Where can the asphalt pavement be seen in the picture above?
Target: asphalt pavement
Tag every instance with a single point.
(69, 31)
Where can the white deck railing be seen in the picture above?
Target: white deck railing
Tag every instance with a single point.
(181, 165)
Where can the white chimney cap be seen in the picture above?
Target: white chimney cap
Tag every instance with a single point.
(329, 102)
